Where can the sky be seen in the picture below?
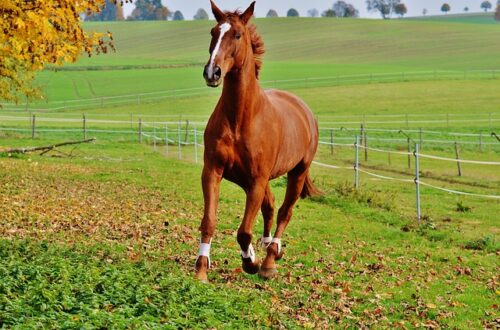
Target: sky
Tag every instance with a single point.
(415, 7)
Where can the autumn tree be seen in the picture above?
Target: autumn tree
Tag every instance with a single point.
(200, 14)
(292, 12)
(38, 33)
(400, 9)
(445, 8)
(384, 7)
(149, 10)
(178, 16)
(272, 13)
(486, 5)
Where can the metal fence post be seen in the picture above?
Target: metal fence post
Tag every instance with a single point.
(140, 130)
(195, 146)
(457, 156)
(84, 128)
(417, 181)
(356, 163)
(179, 152)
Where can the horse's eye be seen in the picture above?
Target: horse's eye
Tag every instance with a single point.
(238, 35)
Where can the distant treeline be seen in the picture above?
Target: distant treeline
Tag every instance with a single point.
(155, 10)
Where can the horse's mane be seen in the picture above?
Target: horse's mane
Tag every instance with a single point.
(256, 40)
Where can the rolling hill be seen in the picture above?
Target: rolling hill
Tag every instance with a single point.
(155, 56)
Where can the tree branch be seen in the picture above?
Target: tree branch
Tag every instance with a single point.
(44, 148)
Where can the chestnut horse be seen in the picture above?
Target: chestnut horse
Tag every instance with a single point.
(252, 137)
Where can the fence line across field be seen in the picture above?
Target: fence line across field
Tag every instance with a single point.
(307, 82)
(416, 180)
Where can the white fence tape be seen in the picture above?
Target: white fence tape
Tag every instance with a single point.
(459, 160)
(458, 192)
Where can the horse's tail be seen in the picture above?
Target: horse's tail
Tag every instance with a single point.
(310, 189)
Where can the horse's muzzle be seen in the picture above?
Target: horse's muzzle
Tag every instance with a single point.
(212, 75)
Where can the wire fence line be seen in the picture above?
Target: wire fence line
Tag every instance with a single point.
(186, 143)
(416, 179)
(297, 83)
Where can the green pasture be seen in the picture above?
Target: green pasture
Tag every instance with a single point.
(108, 238)
(105, 235)
(159, 56)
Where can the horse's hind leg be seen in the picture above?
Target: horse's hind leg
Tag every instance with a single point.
(267, 210)
(296, 179)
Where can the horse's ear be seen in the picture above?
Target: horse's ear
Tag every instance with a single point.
(219, 15)
(245, 17)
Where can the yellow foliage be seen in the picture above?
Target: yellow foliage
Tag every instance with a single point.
(40, 32)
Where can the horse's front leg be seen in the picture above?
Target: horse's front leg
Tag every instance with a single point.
(210, 181)
(255, 196)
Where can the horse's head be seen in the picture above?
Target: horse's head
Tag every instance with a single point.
(230, 45)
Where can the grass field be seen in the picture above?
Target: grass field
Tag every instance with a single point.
(319, 48)
(108, 239)
(104, 235)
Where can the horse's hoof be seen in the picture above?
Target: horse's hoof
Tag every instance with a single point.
(250, 267)
(267, 273)
(202, 277)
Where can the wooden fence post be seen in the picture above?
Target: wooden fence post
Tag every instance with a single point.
(33, 127)
(366, 146)
(331, 141)
(457, 154)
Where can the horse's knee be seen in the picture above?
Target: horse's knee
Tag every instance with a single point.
(207, 227)
(244, 239)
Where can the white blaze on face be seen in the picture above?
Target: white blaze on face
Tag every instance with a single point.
(223, 29)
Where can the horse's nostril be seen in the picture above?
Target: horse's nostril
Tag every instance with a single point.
(205, 73)
(217, 73)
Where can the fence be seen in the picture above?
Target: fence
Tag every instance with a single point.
(130, 129)
(416, 179)
(172, 138)
(310, 82)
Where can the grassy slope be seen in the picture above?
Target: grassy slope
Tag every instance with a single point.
(319, 47)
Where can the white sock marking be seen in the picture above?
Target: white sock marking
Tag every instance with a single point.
(223, 29)
(205, 251)
(250, 253)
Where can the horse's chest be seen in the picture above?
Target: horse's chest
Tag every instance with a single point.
(241, 161)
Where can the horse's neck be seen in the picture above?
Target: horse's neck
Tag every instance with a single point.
(240, 95)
